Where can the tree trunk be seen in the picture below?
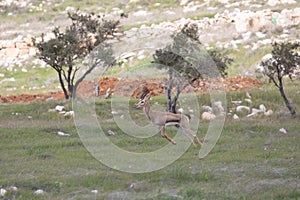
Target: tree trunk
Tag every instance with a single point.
(69, 80)
(287, 102)
(169, 91)
(174, 104)
(70, 89)
(62, 85)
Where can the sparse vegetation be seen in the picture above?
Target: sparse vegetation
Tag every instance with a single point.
(283, 62)
(251, 155)
(64, 52)
(186, 61)
(251, 160)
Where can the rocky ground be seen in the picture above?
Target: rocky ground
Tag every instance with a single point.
(131, 87)
(244, 25)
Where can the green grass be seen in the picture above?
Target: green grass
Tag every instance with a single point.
(252, 159)
(35, 81)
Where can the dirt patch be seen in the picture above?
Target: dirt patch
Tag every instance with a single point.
(133, 88)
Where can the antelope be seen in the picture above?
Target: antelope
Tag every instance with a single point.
(164, 119)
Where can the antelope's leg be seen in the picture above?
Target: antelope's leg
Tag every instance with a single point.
(195, 136)
(187, 134)
(164, 135)
(187, 131)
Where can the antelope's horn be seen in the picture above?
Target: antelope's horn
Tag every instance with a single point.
(145, 92)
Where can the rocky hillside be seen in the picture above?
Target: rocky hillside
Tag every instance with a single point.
(241, 27)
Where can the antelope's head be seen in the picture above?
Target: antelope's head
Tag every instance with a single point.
(143, 100)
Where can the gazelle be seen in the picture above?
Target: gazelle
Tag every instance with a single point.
(163, 119)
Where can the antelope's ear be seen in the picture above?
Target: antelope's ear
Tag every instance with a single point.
(149, 97)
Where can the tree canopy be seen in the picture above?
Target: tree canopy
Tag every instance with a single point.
(186, 60)
(66, 49)
(282, 62)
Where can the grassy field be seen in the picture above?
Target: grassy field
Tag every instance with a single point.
(252, 159)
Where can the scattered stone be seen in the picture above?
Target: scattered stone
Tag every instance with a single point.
(254, 112)
(137, 186)
(183, 2)
(39, 192)
(268, 113)
(110, 132)
(60, 133)
(237, 102)
(241, 108)
(94, 192)
(208, 116)
(69, 114)
(282, 130)
(3, 192)
(248, 95)
(180, 110)
(141, 13)
(235, 116)
(262, 108)
(13, 188)
(59, 108)
(248, 101)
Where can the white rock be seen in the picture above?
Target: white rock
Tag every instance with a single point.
(235, 116)
(39, 191)
(183, 2)
(248, 100)
(282, 130)
(2, 192)
(110, 132)
(248, 95)
(223, 1)
(180, 110)
(208, 116)
(69, 113)
(52, 110)
(9, 80)
(94, 191)
(13, 188)
(273, 2)
(127, 55)
(268, 113)
(267, 57)
(262, 108)
(241, 108)
(254, 112)
(260, 34)
(60, 133)
(134, 1)
(140, 13)
(237, 102)
(59, 108)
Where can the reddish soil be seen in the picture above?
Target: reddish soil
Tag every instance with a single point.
(134, 87)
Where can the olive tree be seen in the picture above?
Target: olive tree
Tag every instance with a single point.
(282, 62)
(67, 48)
(186, 61)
